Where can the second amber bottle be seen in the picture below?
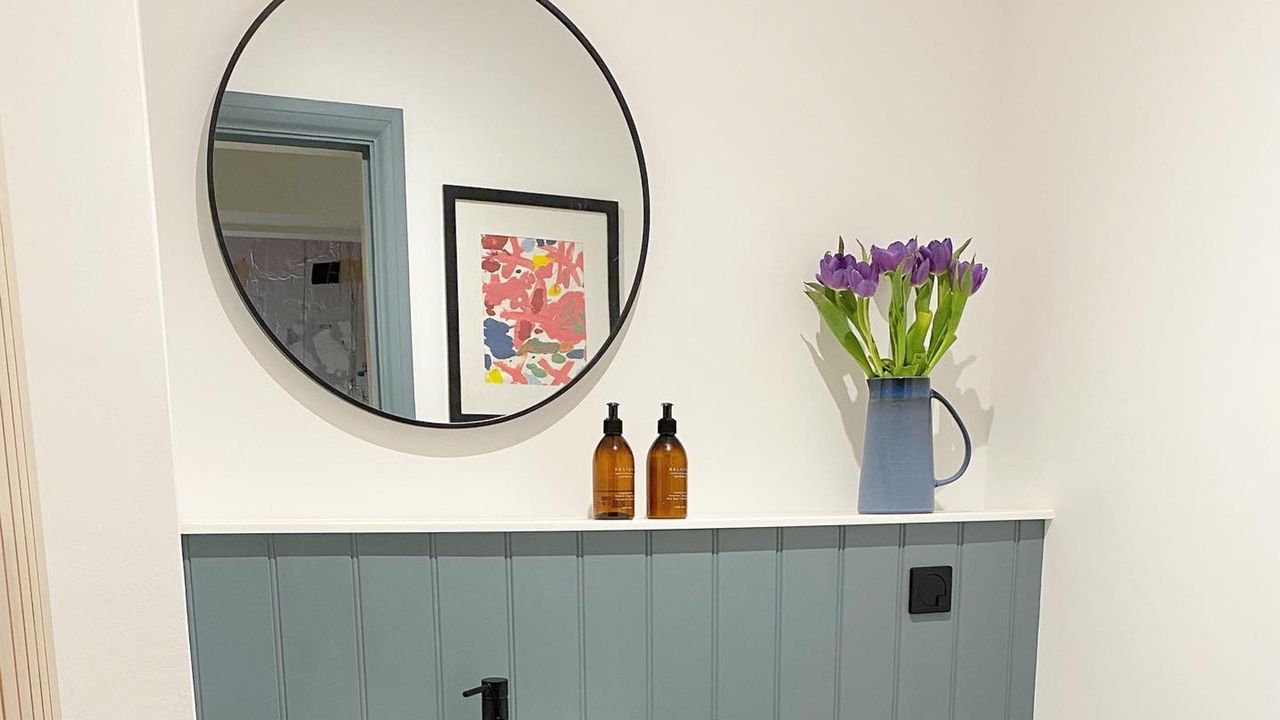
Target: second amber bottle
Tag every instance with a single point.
(668, 472)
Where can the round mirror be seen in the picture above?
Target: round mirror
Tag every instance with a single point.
(437, 209)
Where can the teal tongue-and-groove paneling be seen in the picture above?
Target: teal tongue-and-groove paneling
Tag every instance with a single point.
(744, 624)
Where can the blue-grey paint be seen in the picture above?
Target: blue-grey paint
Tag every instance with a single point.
(380, 131)
(872, 602)
(747, 624)
(318, 626)
(615, 613)
(397, 620)
(680, 637)
(1028, 555)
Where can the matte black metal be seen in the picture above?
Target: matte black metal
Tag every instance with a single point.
(550, 7)
(930, 590)
(493, 698)
(452, 194)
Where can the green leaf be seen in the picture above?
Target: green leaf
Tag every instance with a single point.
(839, 324)
(963, 247)
(941, 353)
(840, 247)
(848, 302)
(942, 316)
(916, 335)
(924, 295)
(959, 299)
(861, 319)
(898, 319)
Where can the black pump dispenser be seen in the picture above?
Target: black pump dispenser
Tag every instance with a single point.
(613, 423)
(667, 423)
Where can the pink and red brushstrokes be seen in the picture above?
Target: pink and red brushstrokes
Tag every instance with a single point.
(535, 311)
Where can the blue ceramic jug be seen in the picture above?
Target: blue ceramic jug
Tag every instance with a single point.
(897, 457)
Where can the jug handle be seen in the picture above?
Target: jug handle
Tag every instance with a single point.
(964, 432)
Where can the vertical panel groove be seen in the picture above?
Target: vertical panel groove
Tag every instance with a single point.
(648, 624)
(276, 625)
(956, 600)
(1013, 591)
(511, 622)
(191, 625)
(897, 610)
(777, 629)
(435, 624)
(582, 630)
(839, 682)
(361, 674)
(715, 625)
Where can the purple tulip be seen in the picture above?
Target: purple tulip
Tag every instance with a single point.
(863, 279)
(920, 271)
(979, 274)
(833, 271)
(939, 253)
(891, 258)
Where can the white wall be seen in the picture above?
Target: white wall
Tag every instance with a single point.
(495, 93)
(1138, 336)
(73, 126)
(1103, 142)
(768, 131)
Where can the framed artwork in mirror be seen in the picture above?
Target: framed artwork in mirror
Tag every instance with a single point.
(532, 292)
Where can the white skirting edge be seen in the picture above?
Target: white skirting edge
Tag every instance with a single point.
(356, 525)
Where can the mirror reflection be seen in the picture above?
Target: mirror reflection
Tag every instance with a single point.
(434, 207)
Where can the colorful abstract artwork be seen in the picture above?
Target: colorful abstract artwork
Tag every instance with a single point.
(535, 310)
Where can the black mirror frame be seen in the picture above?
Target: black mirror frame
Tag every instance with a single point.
(244, 296)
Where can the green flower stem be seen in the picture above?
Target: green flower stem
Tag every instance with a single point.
(898, 320)
(942, 317)
(863, 323)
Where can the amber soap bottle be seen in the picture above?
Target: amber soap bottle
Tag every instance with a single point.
(613, 477)
(668, 472)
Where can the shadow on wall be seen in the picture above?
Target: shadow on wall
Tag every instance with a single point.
(838, 373)
(411, 439)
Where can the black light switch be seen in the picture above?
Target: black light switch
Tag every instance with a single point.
(326, 273)
(930, 590)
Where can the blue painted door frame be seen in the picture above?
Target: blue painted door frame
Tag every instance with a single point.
(379, 131)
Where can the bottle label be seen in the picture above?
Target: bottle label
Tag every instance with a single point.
(615, 502)
(679, 499)
(678, 495)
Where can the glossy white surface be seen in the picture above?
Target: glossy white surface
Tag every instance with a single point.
(207, 527)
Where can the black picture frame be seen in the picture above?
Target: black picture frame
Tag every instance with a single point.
(452, 195)
(641, 166)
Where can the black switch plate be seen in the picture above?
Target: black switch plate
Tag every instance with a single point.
(326, 273)
(930, 590)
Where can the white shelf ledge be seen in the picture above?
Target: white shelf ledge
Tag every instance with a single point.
(241, 527)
